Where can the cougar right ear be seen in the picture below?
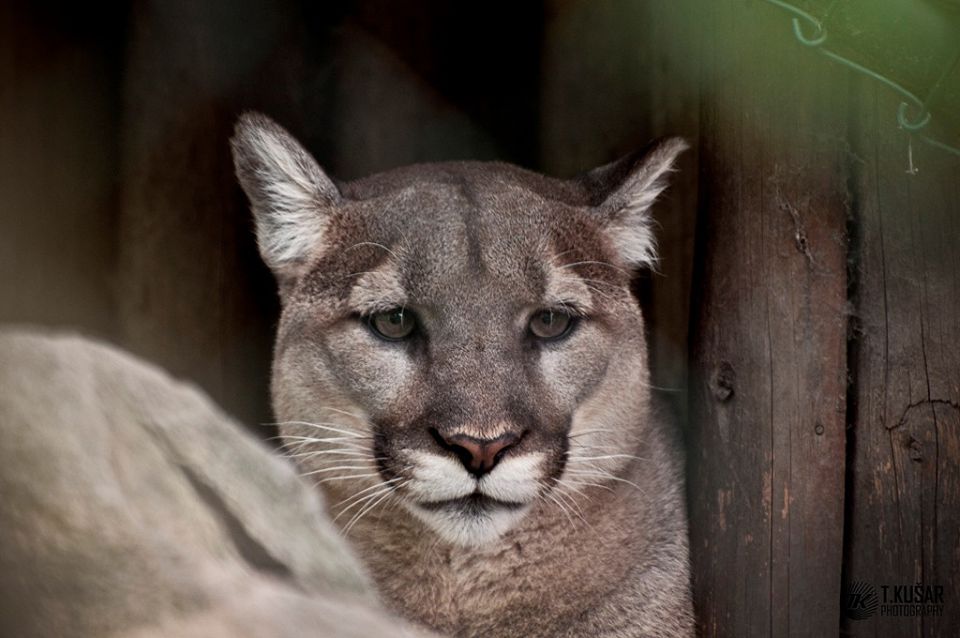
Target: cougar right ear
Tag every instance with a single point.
(290, 194)
(623, 192)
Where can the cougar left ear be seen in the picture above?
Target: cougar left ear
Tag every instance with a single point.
(623, 192)
(291, 197)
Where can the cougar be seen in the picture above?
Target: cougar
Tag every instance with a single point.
(461, 367)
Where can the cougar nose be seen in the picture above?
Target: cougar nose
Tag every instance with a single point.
(479, 456)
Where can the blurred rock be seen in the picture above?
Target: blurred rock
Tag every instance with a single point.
(132, 504)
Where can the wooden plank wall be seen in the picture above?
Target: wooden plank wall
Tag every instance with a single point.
(904, 482)
(802, 161)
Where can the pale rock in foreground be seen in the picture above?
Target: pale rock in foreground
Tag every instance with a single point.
(133, 507)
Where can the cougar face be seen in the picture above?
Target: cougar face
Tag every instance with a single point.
(458, 340)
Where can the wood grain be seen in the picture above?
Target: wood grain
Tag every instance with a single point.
(904, 512)
(766, 448)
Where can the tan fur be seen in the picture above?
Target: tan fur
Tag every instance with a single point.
(614, 566)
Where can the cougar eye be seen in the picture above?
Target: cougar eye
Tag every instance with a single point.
(550, 324)
(393, 325)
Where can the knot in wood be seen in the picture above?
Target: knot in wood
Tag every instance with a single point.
(915, 449)
(721, 383)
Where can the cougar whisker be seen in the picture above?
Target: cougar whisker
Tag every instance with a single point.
(375, 244)
(589, 484)
(562, 492)
(310, 439)
(384, 487)
(606, 475)
(297, 453)
(590, 431)
(322, 426)
(549, 494)
(367, 509)
(573, 457)
(356, 453)
(595, 263)
(344, 477)
(367, 489)
(335, 468)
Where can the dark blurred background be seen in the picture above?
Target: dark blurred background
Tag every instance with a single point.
(118, 211)
(804, 319)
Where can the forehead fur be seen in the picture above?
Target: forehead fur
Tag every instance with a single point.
(468, 221)
(491, 211)
(479, 176)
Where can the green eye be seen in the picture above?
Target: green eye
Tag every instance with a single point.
(393, 325)
(550, 324)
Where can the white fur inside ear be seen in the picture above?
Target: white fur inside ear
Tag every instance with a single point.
(289, 193)
(288, 219)
(630, 225)
(634, 240)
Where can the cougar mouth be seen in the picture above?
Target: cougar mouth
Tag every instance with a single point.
(469, 521)
(476, 503)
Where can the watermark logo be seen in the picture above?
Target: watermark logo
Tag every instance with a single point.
(862, 600)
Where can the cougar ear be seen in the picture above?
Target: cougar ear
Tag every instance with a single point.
(290, 195)
(623, 192)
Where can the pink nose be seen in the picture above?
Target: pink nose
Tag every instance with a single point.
(479, 456)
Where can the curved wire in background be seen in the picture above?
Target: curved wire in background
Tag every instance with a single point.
(819, 37)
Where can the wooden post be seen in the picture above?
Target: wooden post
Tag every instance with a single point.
(904, 512)
(767, 440)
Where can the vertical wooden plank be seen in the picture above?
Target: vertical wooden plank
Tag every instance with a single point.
(904, 514)
(594, 100)
(767, 440)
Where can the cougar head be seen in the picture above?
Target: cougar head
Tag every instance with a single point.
(457, 339)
